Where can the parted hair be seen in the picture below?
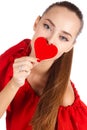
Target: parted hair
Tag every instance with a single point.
(45, 117)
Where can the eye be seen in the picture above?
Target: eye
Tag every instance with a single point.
(46, 26)
(63, 38)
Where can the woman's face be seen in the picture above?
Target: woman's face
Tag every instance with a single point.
(59, 26)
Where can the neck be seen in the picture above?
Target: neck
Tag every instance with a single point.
(37, 81)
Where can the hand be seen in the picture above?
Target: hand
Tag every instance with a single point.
(22, 68)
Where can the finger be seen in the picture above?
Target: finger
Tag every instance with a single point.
(19, 68)
(21, 79)
(24, 68)
(27, 58)
(22, 63)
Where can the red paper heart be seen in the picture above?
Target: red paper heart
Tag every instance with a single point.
(43, 50)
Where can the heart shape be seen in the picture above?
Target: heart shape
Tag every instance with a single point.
(43, 50)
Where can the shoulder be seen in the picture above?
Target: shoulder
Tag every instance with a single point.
(19, 45)
(23, 44)
(15, 51)
(69, 96)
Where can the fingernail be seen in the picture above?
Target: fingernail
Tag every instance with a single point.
(38, 60)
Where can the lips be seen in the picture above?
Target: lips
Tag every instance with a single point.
(43, 50)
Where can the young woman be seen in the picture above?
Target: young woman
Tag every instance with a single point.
(36, 90)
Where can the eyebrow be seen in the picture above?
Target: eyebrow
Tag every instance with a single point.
(62, 31)
(67, 33)
(51, 22)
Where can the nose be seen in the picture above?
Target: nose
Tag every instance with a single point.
(51, 39)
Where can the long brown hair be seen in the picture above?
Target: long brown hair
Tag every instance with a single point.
(45, 116)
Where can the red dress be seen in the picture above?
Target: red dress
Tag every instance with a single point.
(22, 107)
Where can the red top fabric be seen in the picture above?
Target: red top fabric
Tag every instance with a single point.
(22, 107)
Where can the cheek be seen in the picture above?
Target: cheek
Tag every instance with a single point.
(59, 54)
(41, 32)
(61, 50)
(65, 47)
(68, 48)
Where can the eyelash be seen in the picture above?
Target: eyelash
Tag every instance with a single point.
(46, 26)
(64, 38)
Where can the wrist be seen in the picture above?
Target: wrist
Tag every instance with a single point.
(14, 84)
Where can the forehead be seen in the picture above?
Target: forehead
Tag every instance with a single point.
(56, 11)
(63, 17)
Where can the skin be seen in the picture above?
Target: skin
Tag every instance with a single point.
(60, 27)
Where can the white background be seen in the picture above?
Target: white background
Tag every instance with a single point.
(16, 23)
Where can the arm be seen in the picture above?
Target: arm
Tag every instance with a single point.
(18, 79)
(7, 95)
